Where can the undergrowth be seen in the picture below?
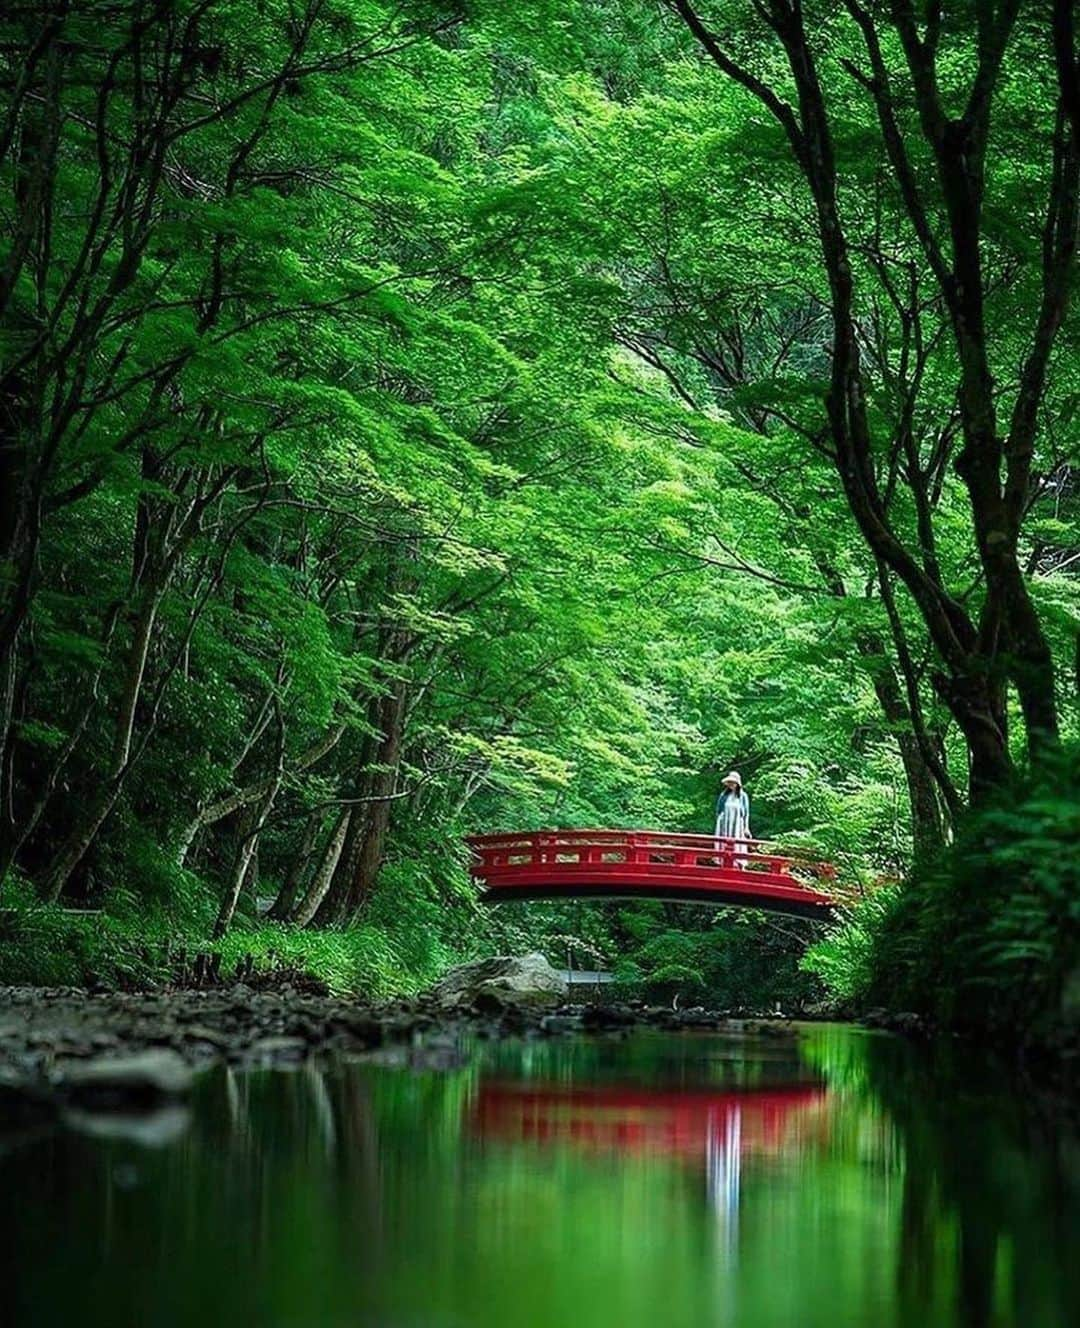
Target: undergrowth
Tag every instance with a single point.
(114, 948)
(986, 936)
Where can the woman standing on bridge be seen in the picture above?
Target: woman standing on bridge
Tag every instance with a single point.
(733, 811)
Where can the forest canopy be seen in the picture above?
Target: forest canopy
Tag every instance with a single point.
(425, 418)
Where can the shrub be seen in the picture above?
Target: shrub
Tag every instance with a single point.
(738, 959)
(987, 935)
(121, 948)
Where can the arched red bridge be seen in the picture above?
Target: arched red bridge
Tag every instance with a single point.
(650, 864)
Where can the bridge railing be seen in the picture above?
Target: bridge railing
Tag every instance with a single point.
(502, 857)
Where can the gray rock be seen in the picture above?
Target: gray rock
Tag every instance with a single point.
(359, 1028)
(558, 1024)
(203, 1033)
(279, 1049)
(144, 1079)
(514, 979)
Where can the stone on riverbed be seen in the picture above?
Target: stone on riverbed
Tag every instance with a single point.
(503, 979)
(143, 1080)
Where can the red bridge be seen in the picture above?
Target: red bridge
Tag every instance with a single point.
(649, 864)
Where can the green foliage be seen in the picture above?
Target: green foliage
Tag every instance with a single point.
(987, 935)
(731, 960)
(414, 427)
(846, 958)
(364, 960)
(45, 945)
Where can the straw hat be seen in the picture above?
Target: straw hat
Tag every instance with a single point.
(733, 778)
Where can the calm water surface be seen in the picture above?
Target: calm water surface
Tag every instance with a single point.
(835, 1177)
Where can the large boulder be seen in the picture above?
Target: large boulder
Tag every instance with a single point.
(507, 979)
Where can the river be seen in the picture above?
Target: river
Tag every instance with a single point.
(828, 1177)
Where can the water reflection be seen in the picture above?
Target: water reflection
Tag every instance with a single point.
(705, 1129)
(830, 1178)
(697, 1125)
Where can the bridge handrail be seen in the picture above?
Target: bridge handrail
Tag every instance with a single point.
(674, 838)
(754, 854)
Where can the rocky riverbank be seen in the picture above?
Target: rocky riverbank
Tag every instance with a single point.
(66, 1049)
(42, 1030)
(109, 1061)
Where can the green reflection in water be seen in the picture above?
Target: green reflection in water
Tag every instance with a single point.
(834, 1177)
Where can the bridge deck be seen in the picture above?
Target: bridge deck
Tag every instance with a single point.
(647, 864)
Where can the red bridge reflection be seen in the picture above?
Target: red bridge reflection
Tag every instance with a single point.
(690, 1122)
(700, 1125)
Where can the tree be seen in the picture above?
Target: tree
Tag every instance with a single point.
(935, 137)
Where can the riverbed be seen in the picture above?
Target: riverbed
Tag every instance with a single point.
(791, 1175)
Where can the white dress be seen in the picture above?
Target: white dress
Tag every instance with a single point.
(733, 815)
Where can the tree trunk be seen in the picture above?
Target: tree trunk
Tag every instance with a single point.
(240, 876)
(368, 863)
(86, 827)
(332, 903)
(977, 703)
(928, 823)
(20, 534)
(243, 797)
(285, 902)
(1032, 669)
(247, 838)
(320, 883)
(360, 863)
(245, 868)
